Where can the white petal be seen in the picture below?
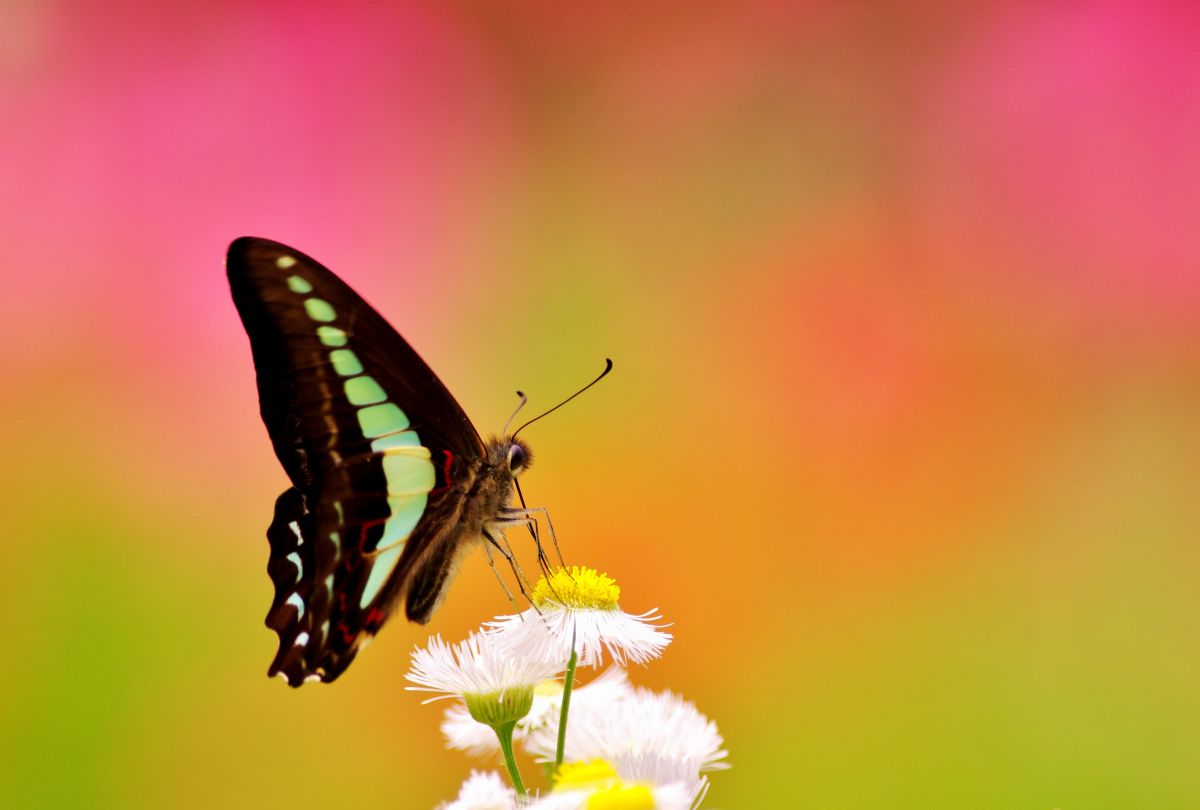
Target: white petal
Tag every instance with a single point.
(477, 665)
(550, 634)
(651, 738)
(482, 791)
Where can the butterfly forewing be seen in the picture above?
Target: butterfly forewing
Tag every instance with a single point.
(371, 440)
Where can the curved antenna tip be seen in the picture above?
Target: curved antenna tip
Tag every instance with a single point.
(608, 364)
(521, 404)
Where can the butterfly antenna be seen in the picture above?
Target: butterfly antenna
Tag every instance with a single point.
(607, 368)
(520, 405)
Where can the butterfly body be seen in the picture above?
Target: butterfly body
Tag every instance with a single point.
(485, 492)
(391, 483)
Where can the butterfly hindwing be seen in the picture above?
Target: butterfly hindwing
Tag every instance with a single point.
(372, 441)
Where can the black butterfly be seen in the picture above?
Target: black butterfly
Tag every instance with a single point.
(390, 480)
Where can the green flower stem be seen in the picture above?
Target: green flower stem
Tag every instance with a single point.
(505, 732)
(568, 682)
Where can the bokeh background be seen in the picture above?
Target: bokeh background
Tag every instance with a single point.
(904, 431)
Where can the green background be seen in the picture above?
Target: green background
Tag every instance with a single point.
(903, 434)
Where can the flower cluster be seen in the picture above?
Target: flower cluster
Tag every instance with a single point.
(605, 745)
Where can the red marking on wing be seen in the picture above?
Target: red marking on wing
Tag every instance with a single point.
(365, 527)
(347, 636)
(445, 474)
(374, 618)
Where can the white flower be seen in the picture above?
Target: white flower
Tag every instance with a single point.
(578, 609)
(496, 685)
(654, 738)
(477, 666)
(587, 785)
(464, 733)
(482, 791)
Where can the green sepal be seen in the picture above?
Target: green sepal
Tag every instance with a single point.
(499, 708)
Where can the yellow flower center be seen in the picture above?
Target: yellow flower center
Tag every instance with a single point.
(622, 797)
(596, 773)
(609, 792)
(577, 587)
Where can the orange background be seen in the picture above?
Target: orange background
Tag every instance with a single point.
(903, 432)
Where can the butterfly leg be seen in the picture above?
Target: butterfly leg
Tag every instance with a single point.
(535, 533)
(529, 516)
(526, 588)
(512, 518)
(487, 548)
(510, 521)
(553, 537)
(522, 582)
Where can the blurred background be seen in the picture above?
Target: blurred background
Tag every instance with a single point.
(903, 434)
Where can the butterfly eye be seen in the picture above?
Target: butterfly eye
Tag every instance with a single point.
(518, 458)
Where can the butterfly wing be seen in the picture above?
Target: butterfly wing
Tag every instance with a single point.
(375, 446)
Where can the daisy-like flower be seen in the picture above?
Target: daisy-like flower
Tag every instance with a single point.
(577, 610)
(651, 738)
(482, 791)
(596, 785)
(464, 733)
(496, 686)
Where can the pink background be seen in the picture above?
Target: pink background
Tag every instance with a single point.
(903, 434)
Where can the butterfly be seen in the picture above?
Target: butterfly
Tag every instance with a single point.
(391, 482)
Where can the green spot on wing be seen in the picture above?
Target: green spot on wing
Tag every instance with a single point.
(299, 285)
(319, 309)
(381, 567)
(406, 512)
(331, 336)
(405, 438)
(379, 420)
(363, 390)
(408, 474)
(345, 362)
(297, 602)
